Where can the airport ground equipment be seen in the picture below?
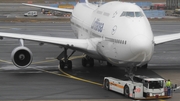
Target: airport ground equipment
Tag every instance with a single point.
(31, 13)
(141, 87)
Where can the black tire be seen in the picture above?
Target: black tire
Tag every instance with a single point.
(62, 64)
(106, 84)
(126, 91)
(91, 62)
(69, 64)
(84, 62)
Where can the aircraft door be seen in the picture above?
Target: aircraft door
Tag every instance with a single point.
(114, 49)
(113, 32)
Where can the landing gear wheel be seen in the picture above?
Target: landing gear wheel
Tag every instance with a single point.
(84, 62)
(91, 62)
(126, 91)
(69, 64)
(106, 84)
(62, 64)
(65, 62)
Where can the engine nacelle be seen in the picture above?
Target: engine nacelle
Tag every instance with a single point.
(21, 57)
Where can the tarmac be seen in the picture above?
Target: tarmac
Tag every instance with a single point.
(43, 80)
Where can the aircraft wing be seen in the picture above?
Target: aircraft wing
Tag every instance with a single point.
(77, 44)
(51, 8)
(166, 38)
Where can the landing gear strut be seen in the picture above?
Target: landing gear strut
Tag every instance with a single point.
(87, 60)
(144, 66)
(130, 71)
(64, 59)
(109, 64)
(133, 68)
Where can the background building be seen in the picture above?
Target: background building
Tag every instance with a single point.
(172, 4)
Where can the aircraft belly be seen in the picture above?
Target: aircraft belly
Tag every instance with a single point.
(124, 63)
(120, 55)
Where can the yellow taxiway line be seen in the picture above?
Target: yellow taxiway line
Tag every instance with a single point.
(46, 61)
(80, 79)
(4, 61)
(64, 73)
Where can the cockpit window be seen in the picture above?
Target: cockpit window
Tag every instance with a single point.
(138, 14)
(123, 14)
(131, 14)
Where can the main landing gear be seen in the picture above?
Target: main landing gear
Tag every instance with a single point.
(87, 60)
(64, 59)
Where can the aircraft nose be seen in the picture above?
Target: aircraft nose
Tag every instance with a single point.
(140, 44)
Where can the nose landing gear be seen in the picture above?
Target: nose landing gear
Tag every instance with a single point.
(130, 72)
(131, 69)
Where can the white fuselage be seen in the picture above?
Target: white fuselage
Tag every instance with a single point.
(121, 39)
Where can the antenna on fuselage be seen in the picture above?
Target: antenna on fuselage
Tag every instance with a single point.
(100, 3)
(87, 2)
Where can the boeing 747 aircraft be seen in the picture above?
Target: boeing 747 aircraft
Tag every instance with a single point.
(116, 32)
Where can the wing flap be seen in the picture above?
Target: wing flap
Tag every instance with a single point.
(166, 38)
(47, 7)
(81, 44)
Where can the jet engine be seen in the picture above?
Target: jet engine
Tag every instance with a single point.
(21, 57)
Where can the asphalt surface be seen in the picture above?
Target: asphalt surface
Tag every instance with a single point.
(43, 80)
